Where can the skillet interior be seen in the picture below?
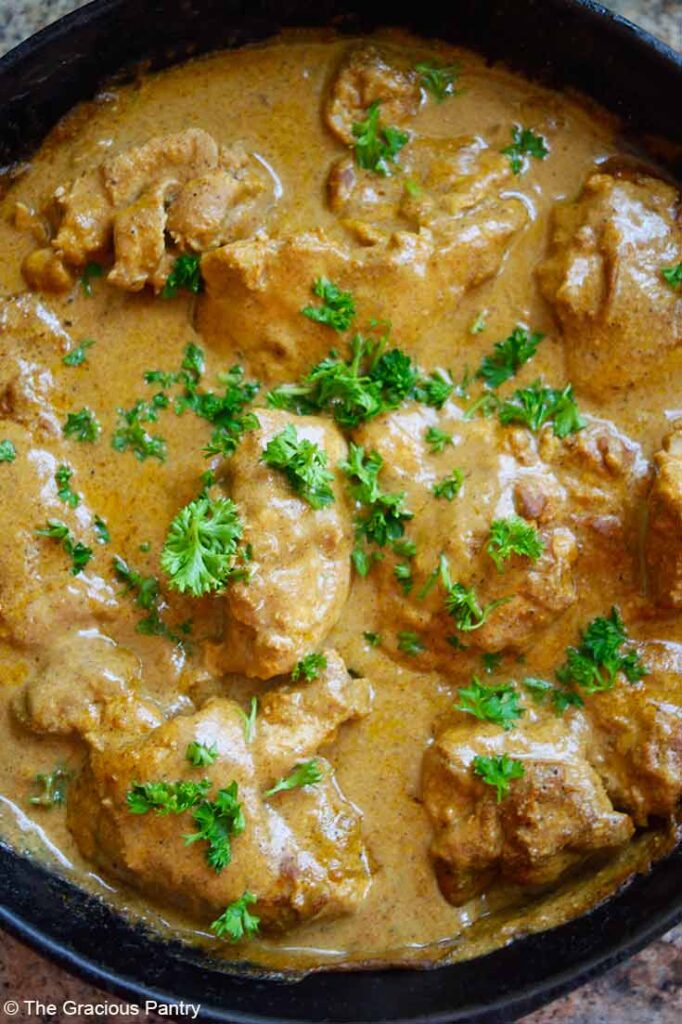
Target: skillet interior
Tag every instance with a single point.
(63, 66)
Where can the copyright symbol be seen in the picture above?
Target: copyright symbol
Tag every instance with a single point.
(11, 1007)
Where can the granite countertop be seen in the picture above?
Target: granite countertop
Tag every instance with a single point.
(645, 990)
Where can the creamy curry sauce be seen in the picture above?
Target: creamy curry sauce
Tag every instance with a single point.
(270, 99)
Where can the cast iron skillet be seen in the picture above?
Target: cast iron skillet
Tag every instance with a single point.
(572, 42)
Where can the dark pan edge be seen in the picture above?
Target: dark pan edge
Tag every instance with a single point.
(625, 923)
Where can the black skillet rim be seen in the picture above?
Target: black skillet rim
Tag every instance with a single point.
(84, 935)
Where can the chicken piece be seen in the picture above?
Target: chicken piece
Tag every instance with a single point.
(31, 341)
(620, 318)
(300, 570)
(552, 818)
(301, 851)
(255, 290)
(636, 744)
(535, 593)
(664, 529)
(448, 179)
(368, 75)
(181, 186)
(88, 686)
(39, 596)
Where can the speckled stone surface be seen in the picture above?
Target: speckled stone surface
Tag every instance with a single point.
(645, 990)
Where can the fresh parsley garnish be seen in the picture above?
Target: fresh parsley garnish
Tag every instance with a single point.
(437, 78)
(373, 639)
(51, 787)
(201, 544)
(403, 573)
(462, 603)
(536, 405)
(236, 921)
(433, 390)
(498, 771)
(478, 325)
(147, 593)
(250, 720)
(309, 667)
(77, 356)
(303, 463)
(91, 271)
(217, 821)
(185, 274)
(450, 486)
(82, 426)
(79, 554)
(525, 143)
(131, 435)
(508, 356)
(376, 145)
(498, 703)
(410, 643)
(384, 520)
(308, 773)
(64, 492)
(491, 661)
(541, 691)
(513, 536)
(371, 382)
(166, 797)
(437, 440)
(595, 663)
(199, 755)
(102, 530)
(338, 307)
(673, 275)
(8, 452)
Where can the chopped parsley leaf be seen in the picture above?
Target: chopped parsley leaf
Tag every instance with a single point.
(309, 667)
(303, 463)
(199, 755)
(64, 492)
(166, 797)
(131, 435)
(498, 703)
(462, 603)
(478, 325)
(8, 452)
(338, 307)
(308, 773)
(217, 821)
(437, 440)
(77, 356)
(541, 691)
(250, 720)
(384, 520)
(79, 554)
(450, 486)
(185, 274)
(525, 143)
(373, 639)
(403, 573)
(51, 787)
(102, 530)
(437, 78)
(513, 536)
(90, 272)
(82, 426)
(491, 661)
(595, 663)
(148, 597)
(199, 551)
(377, 146)
(434, 390)
(498, 771)
(508, 356)
(673, 275)
(536, 405)
(236, 921)
(410, 643)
